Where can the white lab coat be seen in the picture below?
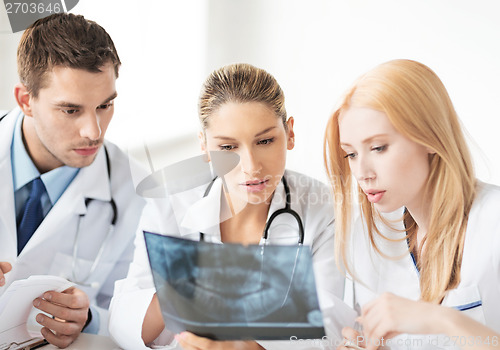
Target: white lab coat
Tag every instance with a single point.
(477, 295)
(310, 198)
(50, 249)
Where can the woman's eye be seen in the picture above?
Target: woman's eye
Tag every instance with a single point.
(350, 155)
(379, 148)
(227, 147)
(266, 141)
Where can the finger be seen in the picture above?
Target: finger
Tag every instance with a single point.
(4, 268)
(349, 333)
(376, 335)
(72, 297)
(353, 337)
(59, 327)
(60, 340)
(195, 341)
(183, 344)
(64, 313)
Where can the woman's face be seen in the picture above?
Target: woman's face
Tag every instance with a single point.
(391, 169)
(254, 132)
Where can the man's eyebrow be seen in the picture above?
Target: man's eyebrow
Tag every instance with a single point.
(65, 104)
(112, 97)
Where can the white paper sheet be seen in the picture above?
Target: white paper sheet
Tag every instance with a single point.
(16, 304)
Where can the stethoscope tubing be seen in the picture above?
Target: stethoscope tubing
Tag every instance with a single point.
(286, 210)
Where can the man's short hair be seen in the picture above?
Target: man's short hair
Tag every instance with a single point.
(66, 40)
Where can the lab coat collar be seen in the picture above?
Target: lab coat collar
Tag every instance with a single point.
(204, 214)
(7, 209)
(279, 199)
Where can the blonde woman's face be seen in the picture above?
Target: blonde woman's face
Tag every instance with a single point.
(257, 135)
(391, 169)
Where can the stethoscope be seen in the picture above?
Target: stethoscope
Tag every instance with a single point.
(83, 281)
(286, 210)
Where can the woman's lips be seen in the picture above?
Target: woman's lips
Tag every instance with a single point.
(255, 185)
(375, 196)
(88, 151)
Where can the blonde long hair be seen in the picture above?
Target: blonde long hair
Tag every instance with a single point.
(419, 107)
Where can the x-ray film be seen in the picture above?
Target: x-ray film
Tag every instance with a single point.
(231, 291)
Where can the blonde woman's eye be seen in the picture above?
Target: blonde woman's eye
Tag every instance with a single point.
(379, 148)
(350, 155)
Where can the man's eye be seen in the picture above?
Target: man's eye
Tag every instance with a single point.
(105, 106)
(70, 111)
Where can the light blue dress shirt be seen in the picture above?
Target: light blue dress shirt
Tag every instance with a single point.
(24, 171)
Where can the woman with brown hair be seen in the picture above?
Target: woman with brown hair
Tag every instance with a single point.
(242, 111)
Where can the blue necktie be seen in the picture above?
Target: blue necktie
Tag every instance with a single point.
(32, 214)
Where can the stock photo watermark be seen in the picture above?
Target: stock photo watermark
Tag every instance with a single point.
(22, 14)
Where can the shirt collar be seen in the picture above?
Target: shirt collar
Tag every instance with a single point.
(24, 170)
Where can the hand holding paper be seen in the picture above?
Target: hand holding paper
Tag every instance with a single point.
(70, 310)
(17, 302)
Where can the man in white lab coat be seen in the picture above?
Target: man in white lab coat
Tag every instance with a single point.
(68, 205)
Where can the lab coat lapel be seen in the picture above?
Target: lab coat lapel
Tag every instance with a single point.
(204, 214)
(8, 230)
(91, 182)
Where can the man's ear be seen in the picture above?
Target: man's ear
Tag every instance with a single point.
(23, 98)
(290, 143)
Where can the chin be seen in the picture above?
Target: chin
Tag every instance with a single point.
(81, 163)
(386, 208)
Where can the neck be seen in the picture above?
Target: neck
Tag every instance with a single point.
(246, 225)
(422, 220)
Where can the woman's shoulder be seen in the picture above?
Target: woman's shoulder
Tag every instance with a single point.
(485, 212)
(487, 194)
(310, 194)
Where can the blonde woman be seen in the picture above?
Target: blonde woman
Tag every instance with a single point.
(241, 110)
(429, 231)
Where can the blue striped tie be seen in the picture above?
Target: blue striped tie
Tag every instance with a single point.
(32, 214)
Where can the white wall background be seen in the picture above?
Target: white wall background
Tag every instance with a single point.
(315, 49)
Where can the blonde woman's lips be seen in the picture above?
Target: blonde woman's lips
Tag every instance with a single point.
(374, 196)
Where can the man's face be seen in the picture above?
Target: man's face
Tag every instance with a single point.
(66, 123)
